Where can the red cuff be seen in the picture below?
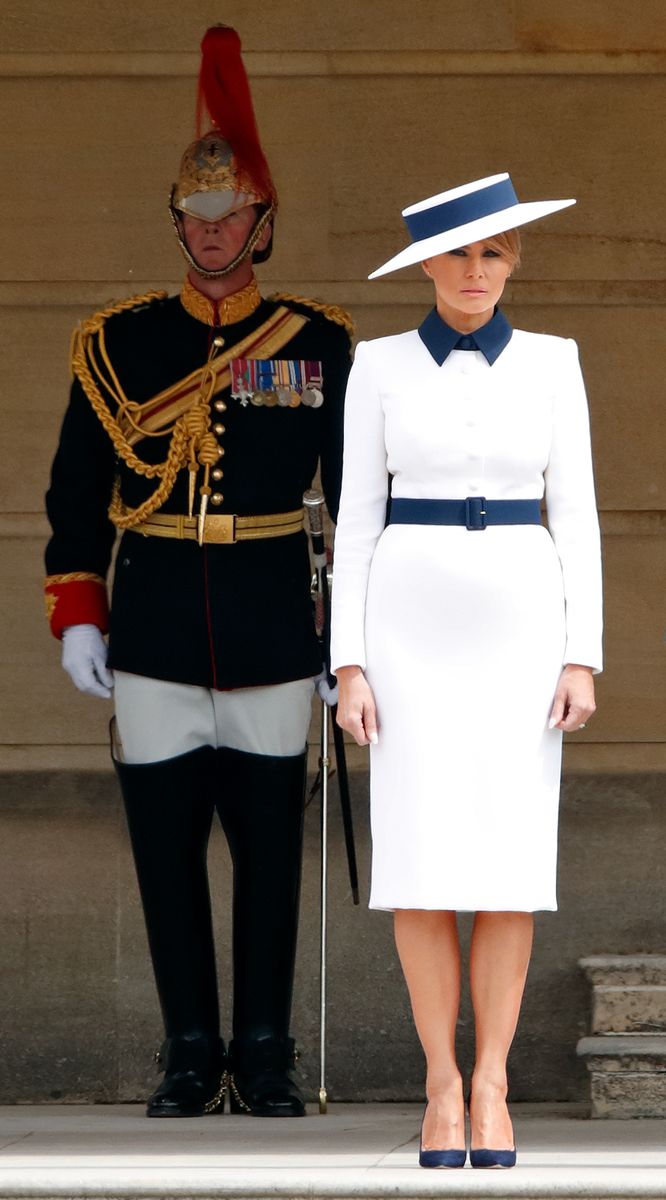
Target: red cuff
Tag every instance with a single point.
(76, 599)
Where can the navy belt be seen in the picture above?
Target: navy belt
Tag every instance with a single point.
(475, 512)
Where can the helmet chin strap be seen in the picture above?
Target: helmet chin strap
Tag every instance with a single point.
(258, 228)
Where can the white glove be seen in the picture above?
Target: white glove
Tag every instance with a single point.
(84, 659)
(325, 692)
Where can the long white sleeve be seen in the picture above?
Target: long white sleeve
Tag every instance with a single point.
(572, 515)
(362, 511)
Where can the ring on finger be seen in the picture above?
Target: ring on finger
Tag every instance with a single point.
(582, 726)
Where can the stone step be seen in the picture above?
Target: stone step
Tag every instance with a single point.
(364, 1151)
(627, 1074)
(635, 1051)
(625, 970)
(635, 1008)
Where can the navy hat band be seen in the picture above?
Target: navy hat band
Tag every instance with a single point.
(454, 213)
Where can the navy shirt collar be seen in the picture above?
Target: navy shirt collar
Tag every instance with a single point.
(440, 339)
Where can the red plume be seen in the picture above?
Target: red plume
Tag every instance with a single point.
(224, 90)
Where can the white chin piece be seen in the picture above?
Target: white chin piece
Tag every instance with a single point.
(214, 206)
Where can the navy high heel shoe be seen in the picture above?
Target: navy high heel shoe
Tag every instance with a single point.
(440, 1158)
(490, 1158)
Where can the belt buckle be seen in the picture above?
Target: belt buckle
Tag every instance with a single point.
(220, 529)
(475, 512)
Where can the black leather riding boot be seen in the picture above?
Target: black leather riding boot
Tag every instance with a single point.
(169, 807)
(260, 800)
(195, 1077)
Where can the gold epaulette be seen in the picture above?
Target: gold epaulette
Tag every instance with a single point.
(333, 311)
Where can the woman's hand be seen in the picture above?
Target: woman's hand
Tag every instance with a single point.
(356, 706)
(574, 699)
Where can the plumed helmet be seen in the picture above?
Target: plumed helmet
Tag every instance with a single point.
(225, 169)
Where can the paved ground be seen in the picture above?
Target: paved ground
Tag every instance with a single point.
(355, 1150)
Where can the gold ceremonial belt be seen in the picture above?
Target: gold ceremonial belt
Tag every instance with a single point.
(222, 528)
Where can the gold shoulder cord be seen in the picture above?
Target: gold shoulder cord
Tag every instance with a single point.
(333, 311)
(87, 370)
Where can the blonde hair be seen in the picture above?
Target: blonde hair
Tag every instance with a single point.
(508, 245)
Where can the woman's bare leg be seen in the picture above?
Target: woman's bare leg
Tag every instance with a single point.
(430, 956)
(499, 958)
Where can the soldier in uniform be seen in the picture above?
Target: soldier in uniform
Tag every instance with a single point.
(194, 426)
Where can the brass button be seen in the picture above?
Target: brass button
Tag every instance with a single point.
(218, 342)
(218, 428)
(220, 406)
(220, 452)
(218, 473)
(216, 498)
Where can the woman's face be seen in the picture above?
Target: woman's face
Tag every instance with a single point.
(469, 280)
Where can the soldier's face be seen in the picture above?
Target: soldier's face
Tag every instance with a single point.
(215, 244)
(470, 279)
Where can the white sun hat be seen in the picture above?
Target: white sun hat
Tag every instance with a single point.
(463, 215)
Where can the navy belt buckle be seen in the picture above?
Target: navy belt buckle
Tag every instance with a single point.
(475, 512)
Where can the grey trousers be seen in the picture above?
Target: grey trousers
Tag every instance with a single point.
(157, 720)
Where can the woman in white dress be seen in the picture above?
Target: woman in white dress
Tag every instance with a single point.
(465, 634)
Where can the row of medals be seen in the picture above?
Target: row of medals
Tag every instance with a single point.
(285, 397)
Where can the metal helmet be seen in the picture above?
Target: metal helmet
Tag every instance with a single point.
(225, 169)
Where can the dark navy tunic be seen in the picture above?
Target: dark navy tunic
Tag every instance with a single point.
(222, 616)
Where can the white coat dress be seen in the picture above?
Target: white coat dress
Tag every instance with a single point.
(463, 634)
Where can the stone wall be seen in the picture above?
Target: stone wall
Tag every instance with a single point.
(79, 1015)
(363, 109)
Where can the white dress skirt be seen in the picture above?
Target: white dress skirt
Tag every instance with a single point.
(463, 634)
(465, 640)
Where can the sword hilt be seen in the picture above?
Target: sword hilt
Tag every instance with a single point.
(313, 502)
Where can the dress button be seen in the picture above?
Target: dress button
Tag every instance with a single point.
(473, 487)
(220, 406)
(470, 424)
(216, 498)
(219, 428)
(218, 473)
